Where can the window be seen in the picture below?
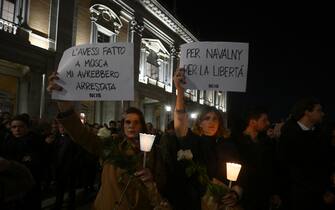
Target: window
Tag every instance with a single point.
(106, 24)
(220, 100)
(103, 37)
(209, 97)
(201, 96)
(152, 71)
(8, 10)
(206, 97)
(191, 94)
(155, 66)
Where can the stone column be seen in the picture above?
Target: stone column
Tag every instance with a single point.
(94, 30)
(173, 65)
(98, 107)
(135, 36)
(53, 24)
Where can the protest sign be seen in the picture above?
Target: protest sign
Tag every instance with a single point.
(215, 65)
(99, 72)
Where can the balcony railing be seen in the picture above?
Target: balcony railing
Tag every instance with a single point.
(8, 26)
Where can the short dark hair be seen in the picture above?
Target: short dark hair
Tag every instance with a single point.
(255, 113)
(23, 118)
(302, 105)
(95, 125)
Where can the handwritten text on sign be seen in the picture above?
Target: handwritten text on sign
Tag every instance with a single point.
(102, 72)
(215, 65)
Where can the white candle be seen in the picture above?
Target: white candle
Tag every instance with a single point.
(233, 169)
(146, 142)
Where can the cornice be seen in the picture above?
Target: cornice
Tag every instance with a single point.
(165, 17)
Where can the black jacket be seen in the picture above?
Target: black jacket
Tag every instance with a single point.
(304, 166)
(184, 193)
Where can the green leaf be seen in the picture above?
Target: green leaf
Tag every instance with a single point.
(217, 190)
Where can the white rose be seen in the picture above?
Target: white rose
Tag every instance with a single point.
(184, 155)
(104, 133)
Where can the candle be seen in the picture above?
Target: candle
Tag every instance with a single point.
(146, 142)
(233, 169)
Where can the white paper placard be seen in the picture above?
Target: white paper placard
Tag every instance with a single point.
(215, 65)
(97, 72)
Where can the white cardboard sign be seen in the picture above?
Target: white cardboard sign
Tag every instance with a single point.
(215, 65)
(97, 72)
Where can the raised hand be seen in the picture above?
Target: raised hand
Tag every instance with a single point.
(179, 79)
(53, 86)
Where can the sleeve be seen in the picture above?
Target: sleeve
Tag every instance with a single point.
(79, 133)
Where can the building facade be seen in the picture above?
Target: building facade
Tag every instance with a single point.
(35, 33)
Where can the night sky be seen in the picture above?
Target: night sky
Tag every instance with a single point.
(290, 49)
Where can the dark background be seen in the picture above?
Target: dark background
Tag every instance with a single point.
(290, 49)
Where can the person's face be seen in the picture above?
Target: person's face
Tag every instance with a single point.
(149, 126)
(54, 128)
(270, 133)
(262, 123)
(316, 115)
(18, 128)
(95, 129)
(209, 124)
(132, 125)
(61, 129)
(112, 125)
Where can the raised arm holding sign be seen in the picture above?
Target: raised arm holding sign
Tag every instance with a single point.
(208, 132)
(124, 183)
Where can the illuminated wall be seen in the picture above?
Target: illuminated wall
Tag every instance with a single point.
(83, 23)
(39, 11)
(123, 35)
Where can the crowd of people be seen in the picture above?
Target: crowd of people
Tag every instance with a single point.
(56, 164)
(285, 165)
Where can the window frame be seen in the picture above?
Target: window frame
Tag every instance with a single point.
(14, 12)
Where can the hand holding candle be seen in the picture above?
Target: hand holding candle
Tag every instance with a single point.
(146, 142)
